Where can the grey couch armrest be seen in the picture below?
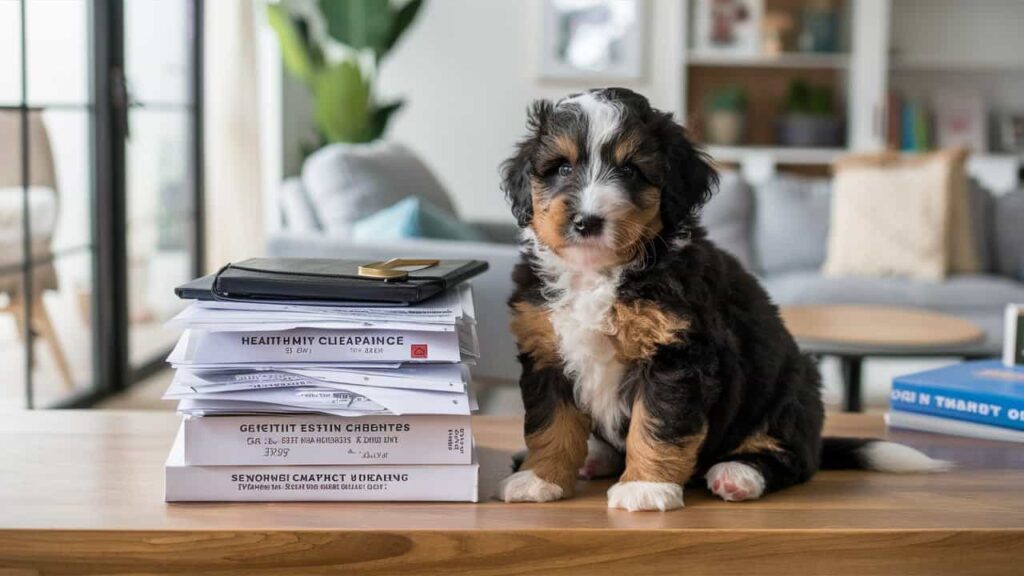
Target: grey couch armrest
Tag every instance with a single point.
(498, 355)
(500, 232)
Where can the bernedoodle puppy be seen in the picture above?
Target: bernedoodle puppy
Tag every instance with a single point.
(642, 344)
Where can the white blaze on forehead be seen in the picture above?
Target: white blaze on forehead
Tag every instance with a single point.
(603, 119)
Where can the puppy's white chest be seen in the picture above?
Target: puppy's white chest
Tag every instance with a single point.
(581, 319)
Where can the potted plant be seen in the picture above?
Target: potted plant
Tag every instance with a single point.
(809, 119)
(727, 116)
(335, 48)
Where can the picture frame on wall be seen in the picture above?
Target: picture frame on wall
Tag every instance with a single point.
(727, 27)
(593, 39)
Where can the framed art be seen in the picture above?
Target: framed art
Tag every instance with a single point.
(592, 39)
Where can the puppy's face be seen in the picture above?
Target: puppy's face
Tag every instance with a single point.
(601, 174)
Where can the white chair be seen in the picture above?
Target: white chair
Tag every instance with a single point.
(44, 206)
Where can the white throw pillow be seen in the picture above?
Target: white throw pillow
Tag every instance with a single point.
(892, 215)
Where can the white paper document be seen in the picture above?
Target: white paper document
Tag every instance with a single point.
(337, 397)
(314, 345)
(436, 377)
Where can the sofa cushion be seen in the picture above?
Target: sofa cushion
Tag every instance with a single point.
(969, 292)
(297, 213)
(1008, 234)
(413, 218)
(791, 222)
(900, 215)
(727, 217)
(347, 182)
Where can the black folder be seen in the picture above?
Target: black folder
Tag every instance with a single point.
(328, 281)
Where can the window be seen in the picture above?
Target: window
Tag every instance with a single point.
(99, 195)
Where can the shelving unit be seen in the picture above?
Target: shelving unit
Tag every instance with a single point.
(784, 61)
(888, 44)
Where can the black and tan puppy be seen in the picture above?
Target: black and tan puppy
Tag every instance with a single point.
(636, 332)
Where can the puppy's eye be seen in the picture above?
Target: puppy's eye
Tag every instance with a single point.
(565, 169)
(627, 170)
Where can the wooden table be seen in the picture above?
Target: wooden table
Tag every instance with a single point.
(82, 493)
(853, 332)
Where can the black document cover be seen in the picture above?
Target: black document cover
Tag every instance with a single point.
(325, 280)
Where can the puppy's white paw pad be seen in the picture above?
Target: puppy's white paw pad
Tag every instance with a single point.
(634, 496)
(525, 486)
(735, 481)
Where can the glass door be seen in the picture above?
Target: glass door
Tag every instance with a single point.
(47, 253)
(99, 191)
(161, 169)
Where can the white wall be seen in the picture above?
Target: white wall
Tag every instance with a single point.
(467, 69)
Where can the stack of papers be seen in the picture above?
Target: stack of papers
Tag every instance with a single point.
(255, 382)
(342, 360)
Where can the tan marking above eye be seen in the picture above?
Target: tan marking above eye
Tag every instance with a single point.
(625, 148)
(565, 146)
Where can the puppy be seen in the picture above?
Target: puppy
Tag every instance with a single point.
(638, 336)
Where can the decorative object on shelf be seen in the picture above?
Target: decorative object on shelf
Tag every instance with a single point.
(726, 120)
(335, 49)
(775, 30)
(728, 27)
(960, 120)
(1011, 132)
(595, 39)
(809, 119)
(1013, 338)
(819, 27)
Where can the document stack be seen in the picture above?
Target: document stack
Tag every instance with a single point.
(329, 401)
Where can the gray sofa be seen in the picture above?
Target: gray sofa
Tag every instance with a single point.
(778, 230)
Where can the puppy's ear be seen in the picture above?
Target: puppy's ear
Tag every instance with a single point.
(690, 182)
(515, 172)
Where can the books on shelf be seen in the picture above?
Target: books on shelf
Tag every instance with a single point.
(985, 394)
(294, 401)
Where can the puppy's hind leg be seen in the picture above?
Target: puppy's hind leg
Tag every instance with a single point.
(759, 465)
(602, 460)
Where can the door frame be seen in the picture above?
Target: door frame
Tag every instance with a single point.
(112, 369)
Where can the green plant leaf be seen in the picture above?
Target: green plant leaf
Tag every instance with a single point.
(295, 51)
(342, 103)
(381, 115)
(402, 19)
(359, 24)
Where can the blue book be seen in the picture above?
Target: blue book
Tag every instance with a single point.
(984, 391)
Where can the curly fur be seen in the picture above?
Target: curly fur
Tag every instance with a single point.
(645, 309)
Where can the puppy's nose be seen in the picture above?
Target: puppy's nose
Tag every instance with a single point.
(588, 224)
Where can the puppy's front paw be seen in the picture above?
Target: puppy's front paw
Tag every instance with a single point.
(635, 496)
(525, 486)
(735, 481)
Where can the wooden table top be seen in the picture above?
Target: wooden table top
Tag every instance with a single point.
(878, 327)
(82, 492)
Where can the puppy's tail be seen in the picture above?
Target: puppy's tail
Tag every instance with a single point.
(873, 454)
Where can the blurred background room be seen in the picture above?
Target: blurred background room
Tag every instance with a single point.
(144, 142)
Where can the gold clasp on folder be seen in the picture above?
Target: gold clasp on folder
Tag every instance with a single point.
(393, 269)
